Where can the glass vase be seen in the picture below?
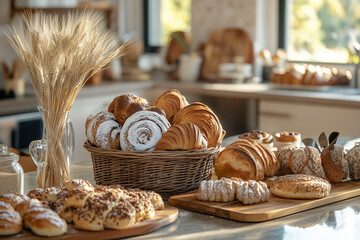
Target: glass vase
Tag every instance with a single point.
(52, 154)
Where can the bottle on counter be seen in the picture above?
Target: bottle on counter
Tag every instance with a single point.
(11, 172)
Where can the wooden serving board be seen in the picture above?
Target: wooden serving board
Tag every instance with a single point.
(162, 218)
(274, 208)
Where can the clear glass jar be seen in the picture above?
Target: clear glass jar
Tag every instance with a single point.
(11, 172)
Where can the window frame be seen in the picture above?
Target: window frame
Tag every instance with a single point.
(147, 47)
(283, 26)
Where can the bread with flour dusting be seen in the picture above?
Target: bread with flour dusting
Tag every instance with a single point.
(142, 131)
(103, 130)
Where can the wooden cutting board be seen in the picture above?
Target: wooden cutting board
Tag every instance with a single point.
(274, 208)
(162, 218)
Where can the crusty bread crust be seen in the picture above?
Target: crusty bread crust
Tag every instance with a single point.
(300, 186)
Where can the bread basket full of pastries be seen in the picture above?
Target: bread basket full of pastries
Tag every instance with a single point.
(167, 147)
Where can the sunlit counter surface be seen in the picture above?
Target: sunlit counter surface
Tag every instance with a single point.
(336, 221)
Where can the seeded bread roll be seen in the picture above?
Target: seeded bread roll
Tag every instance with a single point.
(121, 216)
(335, 165)
(306, 161)
(300, 186)
(283, 156)
(353, 158)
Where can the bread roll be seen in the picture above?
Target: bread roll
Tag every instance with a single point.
(103, 130)
(24, 206)
(203, 117)
(10, 220)
(300, 186)
(121, 216)
(283, 156)
(171, 102)
(13, 199)
(182, 136)
(48, 224)
(91, 217)
(125, 105)
(335, 165)
(353, 158)
(142, 131)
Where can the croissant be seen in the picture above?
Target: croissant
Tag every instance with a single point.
(203, 117)
(103, 131)
(125, 105)
(182, 136)
(171, 102)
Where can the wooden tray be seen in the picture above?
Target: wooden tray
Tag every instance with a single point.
(274, 208)
(162, 218)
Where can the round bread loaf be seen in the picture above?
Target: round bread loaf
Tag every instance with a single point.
(353, 158)
(300, 186)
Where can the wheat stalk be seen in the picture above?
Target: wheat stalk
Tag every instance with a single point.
(60, 53)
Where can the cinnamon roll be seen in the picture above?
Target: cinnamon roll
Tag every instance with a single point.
(142, 131)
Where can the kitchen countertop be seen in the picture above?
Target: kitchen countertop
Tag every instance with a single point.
(339, 220)
(342, 96)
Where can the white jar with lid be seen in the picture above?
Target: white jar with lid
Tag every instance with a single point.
(11, 172)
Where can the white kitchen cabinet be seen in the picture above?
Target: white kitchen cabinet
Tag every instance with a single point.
(308, 119)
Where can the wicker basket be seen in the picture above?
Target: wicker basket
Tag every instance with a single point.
(166, 172)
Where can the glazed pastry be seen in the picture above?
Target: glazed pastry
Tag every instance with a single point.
(121, 216)
(203, 117)
(125, 105)
(247, 160)
(300, 186)
(353, 158)
(24, 206)
(225, 190)
(142, 131)
(171, 102)
(216, 190)
(335, 165)
(103, 130)
(251, 192)
(47, 223)
(10, 220)
(182, 136)
(77, 192)
(284, 139)
(260, 137)
(13, 199)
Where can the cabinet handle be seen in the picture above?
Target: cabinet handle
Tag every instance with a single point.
(275, 114)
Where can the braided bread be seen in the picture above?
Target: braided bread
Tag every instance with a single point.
(225, 190)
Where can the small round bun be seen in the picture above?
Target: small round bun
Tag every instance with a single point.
(300, 186)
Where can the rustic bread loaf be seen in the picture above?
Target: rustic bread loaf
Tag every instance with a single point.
(335, 165)
(247, 160)
(300, 186)
(353, 158)
(283, 156)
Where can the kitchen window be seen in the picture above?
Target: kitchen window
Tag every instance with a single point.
(161, 18)
(320, 31)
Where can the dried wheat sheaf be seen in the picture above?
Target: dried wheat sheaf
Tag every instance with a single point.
(60, 53)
